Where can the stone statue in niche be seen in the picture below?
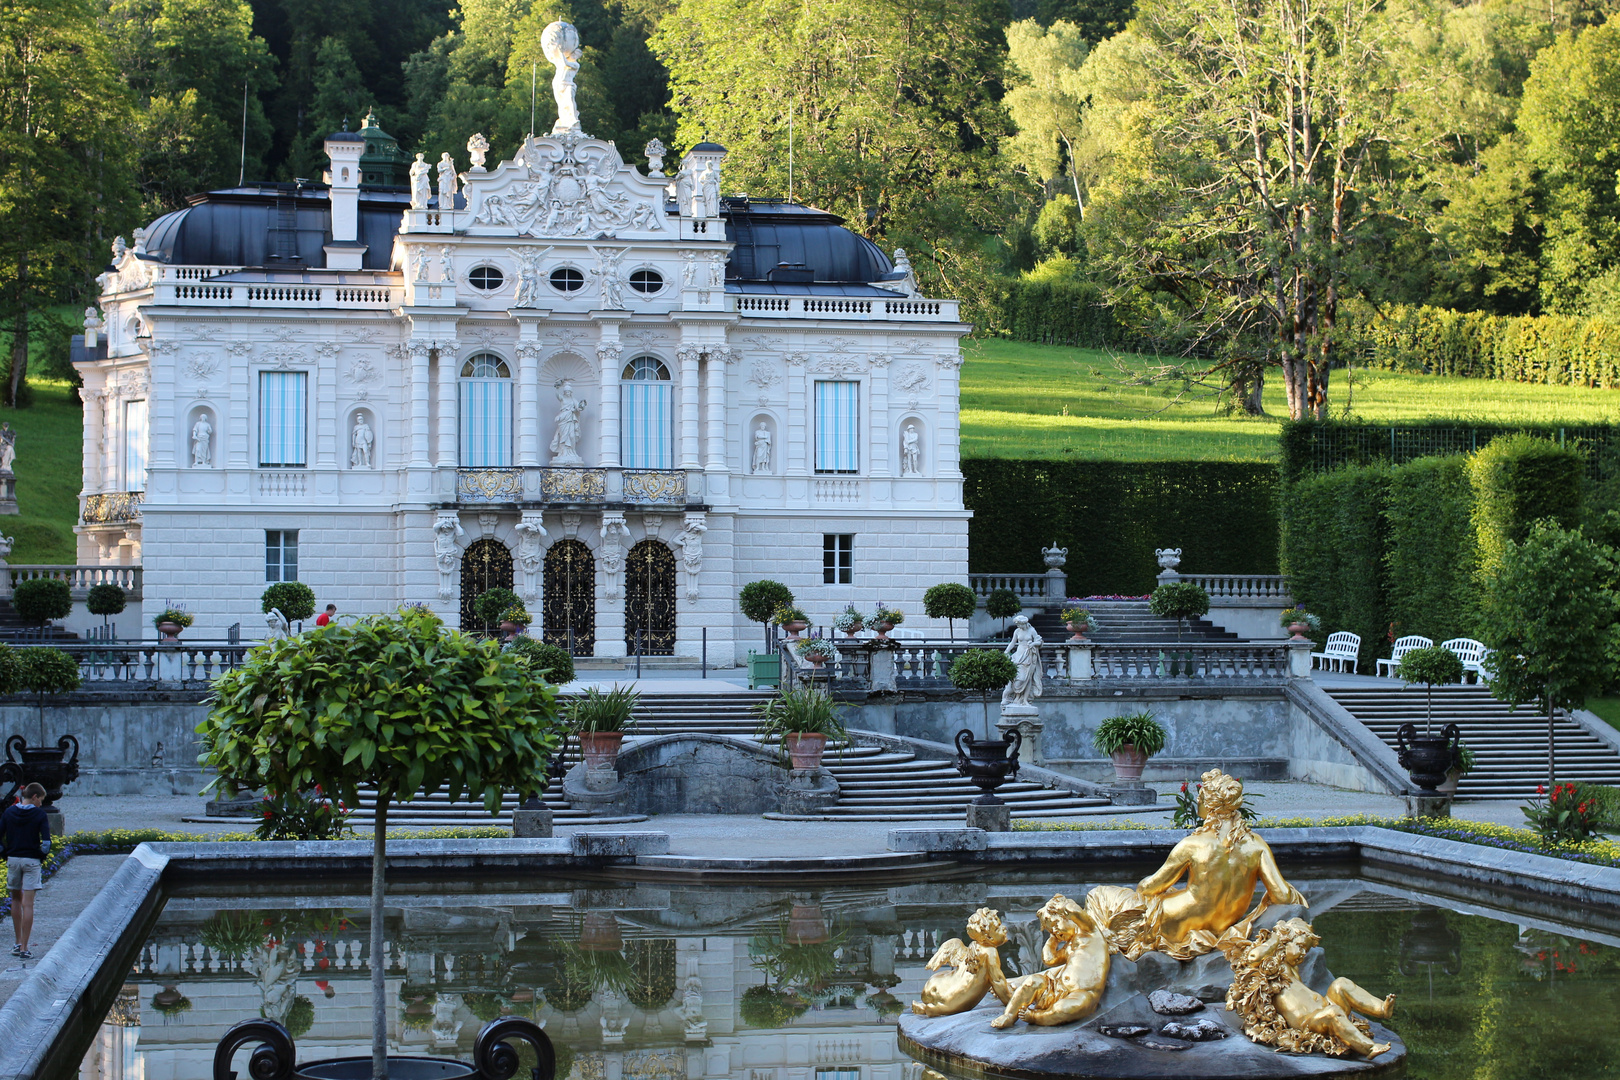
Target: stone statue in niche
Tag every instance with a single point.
(421, 190)
(447, 266)
(762, 448)
(477, 151)
(717, 270)
(911, 451)
(447, 182)
(202, 436)
(565, 442)
(360, 440)
(560, 44)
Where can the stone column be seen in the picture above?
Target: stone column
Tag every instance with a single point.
(449, 405)
(882, 434)
(418, 350)
(714, 375)
(688, 357)
(796, 456)
(609, 358)
(528, 394)
(323, 396)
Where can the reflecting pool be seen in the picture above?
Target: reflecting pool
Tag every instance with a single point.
(637, 980)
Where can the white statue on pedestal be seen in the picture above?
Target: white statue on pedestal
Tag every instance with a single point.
(708, 191)
(8, 447)
(447, 266)
(360, 443)
(911, 452)
(1025, 650)
(762, 448)
(421, 262)
(202, 451)
(565, 443)
(447, 182)
(421, 190)
(560, 44)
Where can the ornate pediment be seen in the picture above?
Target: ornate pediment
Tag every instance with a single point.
(565, 188)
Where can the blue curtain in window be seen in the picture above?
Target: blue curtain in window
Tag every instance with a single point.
(283, 405)
(644, 425)
(837, 446)
(135, 443)
(486, 423)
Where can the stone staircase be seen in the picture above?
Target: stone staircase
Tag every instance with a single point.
(877, 784)
(14, 629)
(1510, 747)
(1129, 622)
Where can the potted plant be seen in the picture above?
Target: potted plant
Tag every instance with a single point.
(883, 619)
(760, 599)
(514, 620)
(1179, 600)
(600, 719)
(791, 619)
(1130, 740)
(804, 720)
(849, 622)
(492, 605)
(105, 600)
(815, 651)
(294, 599)
(1002, 604)
(1462, 763)
(1078, 620)
(170, 622)
(950, 601)
(1300, 623)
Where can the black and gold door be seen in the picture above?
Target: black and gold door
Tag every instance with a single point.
(570, 600)
(649, 600)
(485, 565)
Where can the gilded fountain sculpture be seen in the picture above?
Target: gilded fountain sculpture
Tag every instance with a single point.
(1201, 901)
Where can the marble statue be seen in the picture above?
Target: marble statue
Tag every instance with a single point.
(477, 151)
(1222, 860)
(445, 531)
(276, 625)
(8, 447)
(691, 541)
(973, 969)
(420, 261)
(421, 192)
(655, 152)
(717, 269)
(911, 451)
(565, 442)
(360, 440)
(560, 44)
(1025, 650)
(528, 284)
(762, 448)
(447, 182)
(684, 202)
(608, 273)
(202, 435)
(907, 285)
(708, 191)
(447, 265)
(688, 269)
(1075, 959)
(1280, 1010)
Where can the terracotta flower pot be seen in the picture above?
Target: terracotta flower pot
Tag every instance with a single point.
(1299, 630)
(816, 661)
(806, 925)
(169, 631)
(805, 750)
(601, 748)
(1128, 763)
(600, 932)
(793, 627)
(1078, 629)
(883, 629)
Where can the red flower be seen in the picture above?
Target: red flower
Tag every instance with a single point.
(1541, 789)
(1184, 787)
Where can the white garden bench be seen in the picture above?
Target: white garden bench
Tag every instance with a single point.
(1403, 645)
(1472, 654)
(1342, 648)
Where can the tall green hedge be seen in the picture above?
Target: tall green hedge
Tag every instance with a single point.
(1517, 480)
(1559, 349)
(1309, 446)
(1334, 535)
(1111, 515)
(1432, 558)
(1056, 313)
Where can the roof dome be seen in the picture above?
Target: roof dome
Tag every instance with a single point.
(243, 227)
(770, 232)
(707, 148)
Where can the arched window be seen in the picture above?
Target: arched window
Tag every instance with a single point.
(645, 431)
(486, 412)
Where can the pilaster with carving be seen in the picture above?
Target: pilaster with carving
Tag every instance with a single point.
(688, 356)
(615, 535)
(691, 542)
(530, 552)
(446, 551)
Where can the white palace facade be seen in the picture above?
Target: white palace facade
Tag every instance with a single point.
(616, 392)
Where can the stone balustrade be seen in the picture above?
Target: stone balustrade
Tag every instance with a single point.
(1242, 586)
(869, 309)
(80, 579)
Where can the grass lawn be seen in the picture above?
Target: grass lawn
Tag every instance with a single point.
(50, 462)
(1607, 710)
(1048, 401)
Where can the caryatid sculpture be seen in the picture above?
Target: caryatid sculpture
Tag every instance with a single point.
(560, 44)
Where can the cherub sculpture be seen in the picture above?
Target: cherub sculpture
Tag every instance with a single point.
(1280, 1010)
(972, 969)
(1076, 970)
(1222, 860)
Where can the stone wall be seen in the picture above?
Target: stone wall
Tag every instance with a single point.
(697, 774)
(119, 739)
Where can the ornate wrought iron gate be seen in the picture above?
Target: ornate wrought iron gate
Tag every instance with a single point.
(649, 605)
(570, 603)
(485, 565)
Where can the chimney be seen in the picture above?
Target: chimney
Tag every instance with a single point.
(344, 251)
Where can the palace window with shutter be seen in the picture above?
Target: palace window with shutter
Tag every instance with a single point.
(283, 417)
(646, 438)
(837, 427)
(486, 413)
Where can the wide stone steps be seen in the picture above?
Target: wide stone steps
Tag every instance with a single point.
(1510, 746)
(1129, 622)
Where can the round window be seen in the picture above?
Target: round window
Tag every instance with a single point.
(646, 281)
(567, 279)
(485, 278)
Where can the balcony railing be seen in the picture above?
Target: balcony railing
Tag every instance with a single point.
(870, 309)
(662, 487)
(573, 485)
(80, 579)
(110, 507)
(489, 485)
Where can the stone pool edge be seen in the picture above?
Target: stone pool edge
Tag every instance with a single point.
(50, 1005)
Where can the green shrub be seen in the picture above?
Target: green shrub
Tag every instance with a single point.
(1517, 480)
(1316, 446)
(1179, 600)
(542, 656)
(770, 1006)
(1334, 540)
(1138, 729)
(294, 599)
(1056, 312)
(800, 712)
(301, 816)
(759, 599)
(949, 600)
(1002, 604)
(42, 599)
(1431, 556)
(983, 670)
(1607, 801)
(491, 604)
(46, 671)
(1561, 350)
(300, 1017)
(105, 600)
(1433, 666)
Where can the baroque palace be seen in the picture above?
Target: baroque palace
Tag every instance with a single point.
(617, 392)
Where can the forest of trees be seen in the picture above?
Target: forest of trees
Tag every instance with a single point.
(1230, 175)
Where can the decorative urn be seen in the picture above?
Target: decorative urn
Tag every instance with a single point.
(50, 767)
(1128, 763)
(276, 1057)
(988, 762)
(600, 748)
(169, 631)
(1427, 759)
(1299, 630)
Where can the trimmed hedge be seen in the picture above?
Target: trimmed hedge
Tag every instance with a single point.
(1311, 446)
(1335, 535)
(1560, 350)
(1056, 313)
(1111, 515)
(1518, 480)
(1432, 556)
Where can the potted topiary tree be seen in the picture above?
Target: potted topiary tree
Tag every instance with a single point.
(1433, 666)
(804, 720)
(492, 605)
(1428, 759)
(294, 599)
(600, 719)
(983, 670)
(1179, 600)
(105, 600)
(950, 601)
(1130, 740)
(760, 599)
(40, 600)
(397, 702)
(1002, 604)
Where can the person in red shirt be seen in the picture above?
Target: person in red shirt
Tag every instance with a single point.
(325, 617)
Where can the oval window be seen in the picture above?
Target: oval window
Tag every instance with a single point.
(567, 279)
(646, 282)
(485, 278)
